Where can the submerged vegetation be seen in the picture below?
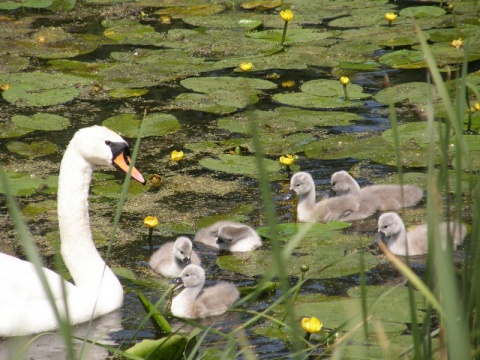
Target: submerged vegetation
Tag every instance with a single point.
(226, 100)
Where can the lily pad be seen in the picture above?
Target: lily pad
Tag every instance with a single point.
(323, 253)
(42, 121)
(10, 63)
(216, 103)
(225, 83)
(413, 92)
(422, 11)
(134, 33)
(127, 93)
(16, 4)
(34, 149)
(310, 101)
(404, 59)
(194, 10)
(416, 132)
(294, 36)
(20, 184)
(156, 124)
(242, 165)
(10, 130)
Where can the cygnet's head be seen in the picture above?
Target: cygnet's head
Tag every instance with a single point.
(192, 276)
(182, 249)
(343, 183)
(301, 183)
(390, 225)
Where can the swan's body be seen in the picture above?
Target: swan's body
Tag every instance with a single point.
(345, 208)
(391, 230)
(24, 306)
(383, 197)
(171, 258)
(198, 302)
(231, 236)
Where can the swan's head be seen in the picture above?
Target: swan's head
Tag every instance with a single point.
(389, 226)
(342, 183)
(99, 145)
(301, 183)
(182, 249)
(192, 276)
(231, 233)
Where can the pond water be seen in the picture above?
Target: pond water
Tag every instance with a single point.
(195, 192)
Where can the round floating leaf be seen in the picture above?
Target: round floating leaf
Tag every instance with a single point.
(445, 54)
(243, 165)
(112, 188)
(333, 88)
(157, 124)
(225, 83)
(371, 17)
(127, 93)
(293, 35)
(284, 120)
(10, 130)
(239, 20)
(323, 253)
(20, 184)
(10, 63)
(422, 11)
(404, 59)
(416, 132)
(414, 92)
(194, 10)
(261, 5)
(23, 95)
(286, 231)
(134, 33)
(34, 149)
(16, 4)
(209, 103)
(42, 121)
(309, 101)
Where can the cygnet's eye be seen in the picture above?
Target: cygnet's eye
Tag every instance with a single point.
(108, 142)
(385, 226)
(181, 252)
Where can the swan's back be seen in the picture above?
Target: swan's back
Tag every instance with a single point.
(215, 300)
(229, 235)
(392, 197)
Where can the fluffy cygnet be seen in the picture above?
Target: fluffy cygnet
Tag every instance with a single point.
(345, 208)
(231, 236)
(391, 231)
(171, 258)
(198, 302)
(384, 197)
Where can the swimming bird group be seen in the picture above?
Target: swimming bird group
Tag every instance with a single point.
(27, 307)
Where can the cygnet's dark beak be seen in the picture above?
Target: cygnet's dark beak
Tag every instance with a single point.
(220, 240)
(332, 193)
(187, 261)
(380, 236)
(178, 281)
(289, 195)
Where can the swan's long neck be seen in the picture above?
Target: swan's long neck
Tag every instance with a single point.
(182, 304)
(82, 259)
(306, 203)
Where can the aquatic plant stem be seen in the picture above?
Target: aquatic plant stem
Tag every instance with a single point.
(284, 32)
(347, 98)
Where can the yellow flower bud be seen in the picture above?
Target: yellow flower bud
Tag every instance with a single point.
(164, 19)
(344, 80)
(476, 106)
(176, 155)
(311, 325)
(286, 15)
(458, 43)
(390, 16)
(246, 66)
(150, 222)
(155, 180)
(288, 83)
(287, 159)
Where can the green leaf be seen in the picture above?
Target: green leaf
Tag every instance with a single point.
(34, 149)
(170, 348)
(155, 124)
(42, 121)
(157, 319)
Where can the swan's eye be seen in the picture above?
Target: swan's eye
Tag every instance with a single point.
(181, 252)
(108, 142)
(385, 226)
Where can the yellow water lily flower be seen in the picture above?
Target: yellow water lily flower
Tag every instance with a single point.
(246, 66)
(150, 222)
(155, 180)
(288, 83)
(287, 15)
(476, 107)
(311, 325)
(458, 43)
(176, 155)
(344, 80)
(390, 16)
(287, 159)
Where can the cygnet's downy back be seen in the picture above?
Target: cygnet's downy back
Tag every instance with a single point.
(195, 301)
(391, 230)
(171, 258)
(229, 235)
(383, 197)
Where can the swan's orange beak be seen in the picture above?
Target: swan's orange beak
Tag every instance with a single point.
(122, 161)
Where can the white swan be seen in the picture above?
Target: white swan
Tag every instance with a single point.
(172, 257)
(24, 306)
(229, 235)
(391, 230)
(195, 301)
(384, 197)
(345, 208)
